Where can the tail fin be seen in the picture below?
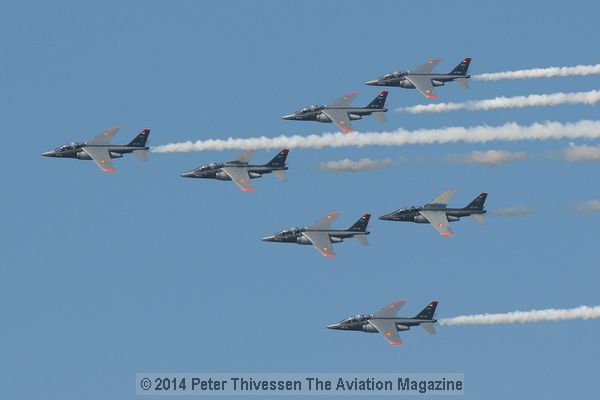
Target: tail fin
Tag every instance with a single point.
(361, 224)
(427, 312)
(379, 101)
(141, 139)
(462, 68)
(279, 159)
(478, 203)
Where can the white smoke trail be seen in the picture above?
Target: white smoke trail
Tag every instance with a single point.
(364, 164)
(590, 206)
(489, 158)
(578, 70)
(401, 137)
(525, 317)
(575, 153)
(512, 212)
(532, 100)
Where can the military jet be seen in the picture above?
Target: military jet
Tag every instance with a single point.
(423, 79)
(240, 171)
(387, 323)
(340, 113)
(101, 152)
(320, 235)
(438, 215)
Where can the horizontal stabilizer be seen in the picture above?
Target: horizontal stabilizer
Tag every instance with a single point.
(429, 327)
(362, 239)
(478, 218)
(280, 175)
(141, 154)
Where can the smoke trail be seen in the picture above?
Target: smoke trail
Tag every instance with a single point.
(575, 153)
(512, 212)
(590, 206)
(525, 317)
(532, 100)
(490, 158)
(476, 134)
(578, 70)
(364, 164)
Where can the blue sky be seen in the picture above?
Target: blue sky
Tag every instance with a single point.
(106, 275)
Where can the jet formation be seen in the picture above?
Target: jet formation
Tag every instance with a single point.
(321, 236)
(340, 113)
(424, 79)
(240, 171)
(438, 214)
(101, 151)
(386, 323)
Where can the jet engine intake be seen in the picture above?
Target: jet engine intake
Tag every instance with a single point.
(323, 118)
(369, 328)
(419, 219)
(82, 155)
(303, 240)
(405, 83)
(222, 176)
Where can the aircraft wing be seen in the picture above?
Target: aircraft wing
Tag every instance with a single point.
(321, 241)
(325, 222)
(427, 67)
(444, 198)
(101, 157)
(344, 101)
(423, 84)
(239, 175)
(388, 329)
(105, 137)
(246, 156)
(438, 219)
(340, 118)
(390, 310)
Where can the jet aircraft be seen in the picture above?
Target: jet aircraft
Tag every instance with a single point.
(387, 323)
(438, 215)
(321, 236)
(101, 152)
(423, 79)
(340, 113)
(240, 171)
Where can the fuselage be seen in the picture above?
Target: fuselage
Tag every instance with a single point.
(295, 235)
(398, 79)
(412, 214)
(315, 113)
(75, 150)
(214, 170)
(361, 323)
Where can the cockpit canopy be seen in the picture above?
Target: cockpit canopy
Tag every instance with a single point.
(411, 209)
(290, 232)
(309, 109)
(391, 75)
(70, 146)
(355, 318)
(209, 167)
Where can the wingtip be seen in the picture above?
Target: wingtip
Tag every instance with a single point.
(431, 97)
(329, 255)
(346, 130)
(109, 170)
(467, 59)
(247, 190)
(395, 343)
(447, 234)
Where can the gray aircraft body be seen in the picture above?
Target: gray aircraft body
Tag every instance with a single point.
(101, 151)
(340, 113)
(438, 214)
(423, 79)
(388, 324)
(240, 171)
(321, 236)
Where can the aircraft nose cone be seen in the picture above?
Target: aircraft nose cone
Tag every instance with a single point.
(385, 217)
(189, 174)
(267, 239)
(48, 154)
(288, 117)
(333, 326)
(372, 83)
